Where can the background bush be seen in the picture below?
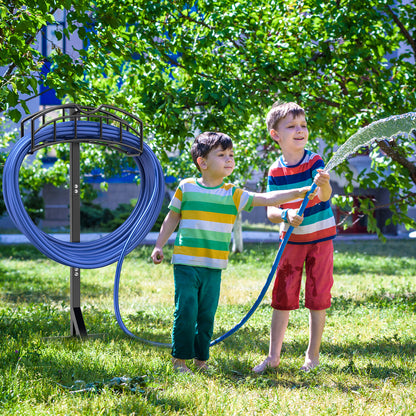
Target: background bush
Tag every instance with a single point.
(96, 218)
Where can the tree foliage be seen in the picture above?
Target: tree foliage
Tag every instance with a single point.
(185, 68)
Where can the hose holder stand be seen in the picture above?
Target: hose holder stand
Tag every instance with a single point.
(104, 114)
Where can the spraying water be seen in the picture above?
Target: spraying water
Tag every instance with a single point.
(377, 131)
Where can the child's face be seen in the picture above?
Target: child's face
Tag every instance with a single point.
(218, 162)
(291, 133)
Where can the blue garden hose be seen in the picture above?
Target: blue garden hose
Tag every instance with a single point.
(97, 253)
(245, 318)
(116, 245)
(271, 274)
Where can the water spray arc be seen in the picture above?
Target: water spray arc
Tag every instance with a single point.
(377, 131)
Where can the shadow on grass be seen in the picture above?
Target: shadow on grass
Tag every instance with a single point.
(350, 366)
(19, 288)
(29, 286)
(386, 349)
(391, 248)
(42, 320)
(21, 252)
(401, 299)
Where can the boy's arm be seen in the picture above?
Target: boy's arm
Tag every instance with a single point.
(279, 197)
(324, 186)
(274, 214)
(168, 227)
(323, 190)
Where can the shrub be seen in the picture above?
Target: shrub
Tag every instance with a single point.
(95, 218)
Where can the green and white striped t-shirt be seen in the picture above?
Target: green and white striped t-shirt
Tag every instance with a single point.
(207, 220)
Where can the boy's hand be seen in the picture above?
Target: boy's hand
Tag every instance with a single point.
(304, 190)
(157, 255)
(322, 178)
(293, 218)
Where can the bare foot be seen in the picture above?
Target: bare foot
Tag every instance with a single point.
(309, 364)
(201, 365)
(180, 366)
(267, 363)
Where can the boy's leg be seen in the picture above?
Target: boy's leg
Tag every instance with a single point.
(183, 333)
(208, 296)
(316, 329)
(319, 281)
(285, 297)
(278, 327)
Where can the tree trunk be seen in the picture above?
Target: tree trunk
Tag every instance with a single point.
(238, 235)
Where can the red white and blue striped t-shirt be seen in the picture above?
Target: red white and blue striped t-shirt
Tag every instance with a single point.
(319, 222)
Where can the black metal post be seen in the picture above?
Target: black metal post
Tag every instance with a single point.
(77, 320)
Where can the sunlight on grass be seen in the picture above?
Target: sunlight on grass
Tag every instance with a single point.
(368, 364)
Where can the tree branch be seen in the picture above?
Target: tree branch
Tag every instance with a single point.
(327, 102)
(28, 41)
(198, 22)
(403, 30)
(397, 157)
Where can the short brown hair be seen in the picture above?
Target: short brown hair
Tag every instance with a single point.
(280, 110)
(207, 141)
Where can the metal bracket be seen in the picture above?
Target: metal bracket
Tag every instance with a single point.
(104, 114)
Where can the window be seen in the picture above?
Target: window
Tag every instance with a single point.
(50, 42)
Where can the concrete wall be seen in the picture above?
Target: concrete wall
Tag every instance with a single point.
(57, 202)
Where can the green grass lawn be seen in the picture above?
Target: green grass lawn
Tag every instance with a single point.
(368, 364)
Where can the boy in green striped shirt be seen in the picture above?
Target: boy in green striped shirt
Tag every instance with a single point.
(205, 209)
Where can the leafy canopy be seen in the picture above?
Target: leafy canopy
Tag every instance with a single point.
(186, 68)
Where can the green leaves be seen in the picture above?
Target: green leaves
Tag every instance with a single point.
(184, 67)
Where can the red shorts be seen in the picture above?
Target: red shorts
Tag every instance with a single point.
(318, 259)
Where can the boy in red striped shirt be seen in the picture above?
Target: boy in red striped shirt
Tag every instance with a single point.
(311, 241)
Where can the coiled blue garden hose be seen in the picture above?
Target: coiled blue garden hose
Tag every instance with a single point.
(116, 245)
(97, 253)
